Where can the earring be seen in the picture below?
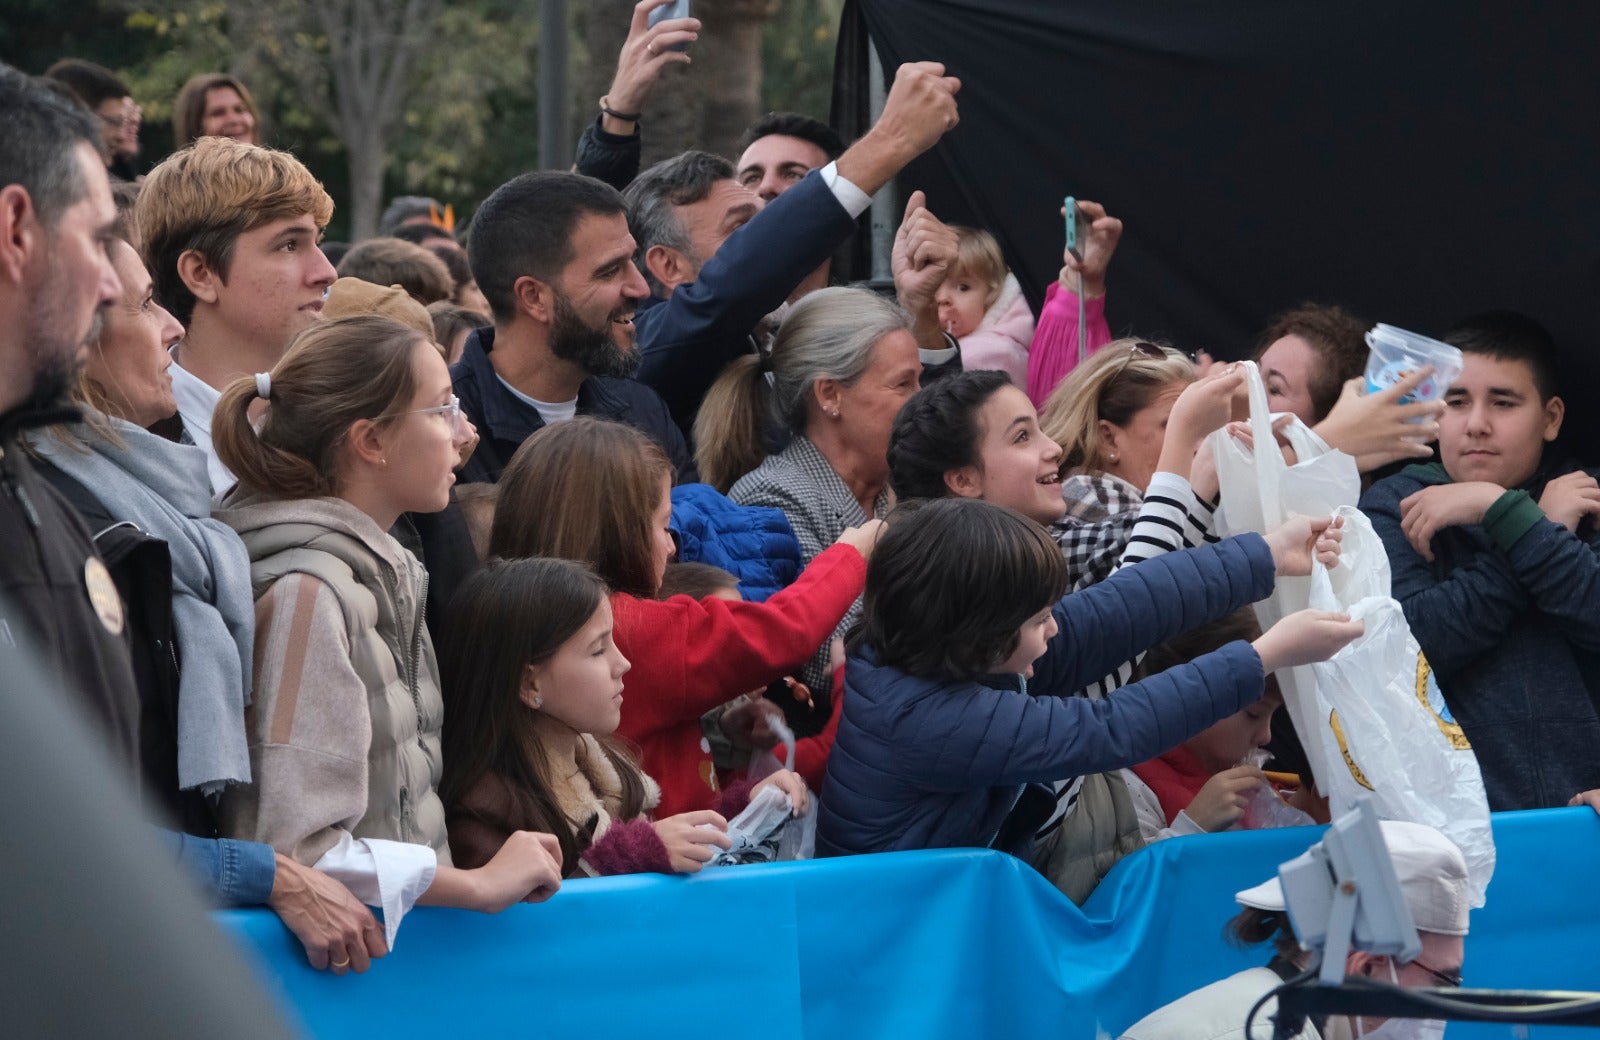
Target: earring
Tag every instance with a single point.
(834, 414)
(538, 702)
(1112, 456)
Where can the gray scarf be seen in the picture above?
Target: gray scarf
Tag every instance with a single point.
(162, 488)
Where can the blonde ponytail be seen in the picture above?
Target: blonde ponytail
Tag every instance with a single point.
(728, 430)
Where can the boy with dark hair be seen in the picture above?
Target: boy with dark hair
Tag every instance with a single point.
(1493, 551)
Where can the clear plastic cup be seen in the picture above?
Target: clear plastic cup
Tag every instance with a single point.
(1396, 353)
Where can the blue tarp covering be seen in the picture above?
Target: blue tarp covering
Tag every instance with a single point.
(927, 944)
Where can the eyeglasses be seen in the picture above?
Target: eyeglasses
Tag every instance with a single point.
(458, 424)
(117, 122)
(1451, 981)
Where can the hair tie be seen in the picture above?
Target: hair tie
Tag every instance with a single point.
(264, 386)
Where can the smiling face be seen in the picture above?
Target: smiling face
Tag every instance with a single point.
(130, 360)
(1018, 467)
(1494, 426)
(962, 302)
(1137, 445)
(226, 115)
(275, 284)
(580, 685)
(777, 162)
(1032, 639)
(594, 299)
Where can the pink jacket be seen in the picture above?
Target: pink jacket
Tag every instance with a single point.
(1055, 344)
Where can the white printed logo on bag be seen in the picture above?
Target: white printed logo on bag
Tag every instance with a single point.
(1432, 698)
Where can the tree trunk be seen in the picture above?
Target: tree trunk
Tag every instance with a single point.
(368, 159)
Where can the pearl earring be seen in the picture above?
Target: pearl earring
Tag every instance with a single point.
(538, 702)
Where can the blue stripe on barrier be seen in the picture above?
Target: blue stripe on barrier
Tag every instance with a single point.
(956, 943)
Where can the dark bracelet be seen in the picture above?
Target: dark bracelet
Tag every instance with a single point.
(626, 117)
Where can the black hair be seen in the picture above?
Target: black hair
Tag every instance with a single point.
(524, 229)
(937, 431)
(793, 124)
(38, 139)
(421, 234)
(92, 84)
(1511, 336)
(951, 583)
(402, 208)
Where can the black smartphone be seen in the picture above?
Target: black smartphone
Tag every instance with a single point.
(667, 12)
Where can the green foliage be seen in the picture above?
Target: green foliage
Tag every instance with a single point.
(797, 57)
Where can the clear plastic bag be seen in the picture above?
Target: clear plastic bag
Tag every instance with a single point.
(767, 831)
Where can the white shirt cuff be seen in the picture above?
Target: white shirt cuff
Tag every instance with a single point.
(391, 875)
(853, 199)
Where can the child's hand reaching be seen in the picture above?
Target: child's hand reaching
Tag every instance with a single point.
(863, 538)
(1300, 539)
(692, 838)
(1305, 637)
(790, 784)
(1225, 797)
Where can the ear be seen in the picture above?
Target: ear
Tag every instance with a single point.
(528, 691)
(965, 482)
(668, 266)
(827, 393)
(1110, 438)
(20, 233)
(1360, 962)
(368, 443)
(198, 276)
(534, 298)
(1555, 410)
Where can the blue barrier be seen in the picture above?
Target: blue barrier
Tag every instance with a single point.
(956, 943)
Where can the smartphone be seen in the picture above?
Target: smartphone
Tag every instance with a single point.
(1077, 230)
(666, 12)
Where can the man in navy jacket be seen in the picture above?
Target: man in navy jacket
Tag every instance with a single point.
(718, 263)
(552, 254)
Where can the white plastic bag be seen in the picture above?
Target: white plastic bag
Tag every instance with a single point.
(767, 831)
(1393, 736)
(1259, 491)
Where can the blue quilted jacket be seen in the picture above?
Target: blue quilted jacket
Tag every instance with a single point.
(925, 763)
(754, 543)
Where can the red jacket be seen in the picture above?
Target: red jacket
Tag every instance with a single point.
(691, 655)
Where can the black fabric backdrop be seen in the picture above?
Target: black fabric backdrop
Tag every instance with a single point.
(1416, 162)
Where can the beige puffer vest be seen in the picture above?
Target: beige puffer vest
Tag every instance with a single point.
(382, 590)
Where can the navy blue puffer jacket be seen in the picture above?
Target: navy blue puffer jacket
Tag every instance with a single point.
(925, 763)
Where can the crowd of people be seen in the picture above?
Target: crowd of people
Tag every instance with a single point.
(451, 565)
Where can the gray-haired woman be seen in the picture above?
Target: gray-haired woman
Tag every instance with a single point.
(841, 366)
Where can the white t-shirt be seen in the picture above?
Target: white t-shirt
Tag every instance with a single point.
(561, 411)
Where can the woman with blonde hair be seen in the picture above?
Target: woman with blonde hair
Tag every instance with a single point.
(356, 425)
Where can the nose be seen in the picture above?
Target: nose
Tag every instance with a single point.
(1478, 422)
(321, 271)
(1052, 451)
(171, 328)
(635, 288)
(624, 666)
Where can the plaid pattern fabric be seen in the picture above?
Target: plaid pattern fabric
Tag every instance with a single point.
(819, 505)
(1100, 518)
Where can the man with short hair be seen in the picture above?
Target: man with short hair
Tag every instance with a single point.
(775, 153)
(230, 236)
(718, 269)
(1495, 557)
(552, 254)
(109, 99)
(56, 222)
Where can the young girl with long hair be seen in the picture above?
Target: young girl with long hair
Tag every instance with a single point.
(534, 692)
(599, 492)
(357, 425)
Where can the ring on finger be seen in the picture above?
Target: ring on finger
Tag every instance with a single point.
(341, 964)
(651, 47)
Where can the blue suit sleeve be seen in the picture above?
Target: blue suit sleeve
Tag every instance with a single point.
(233, 873)
(1137, 607)
(687, 340)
